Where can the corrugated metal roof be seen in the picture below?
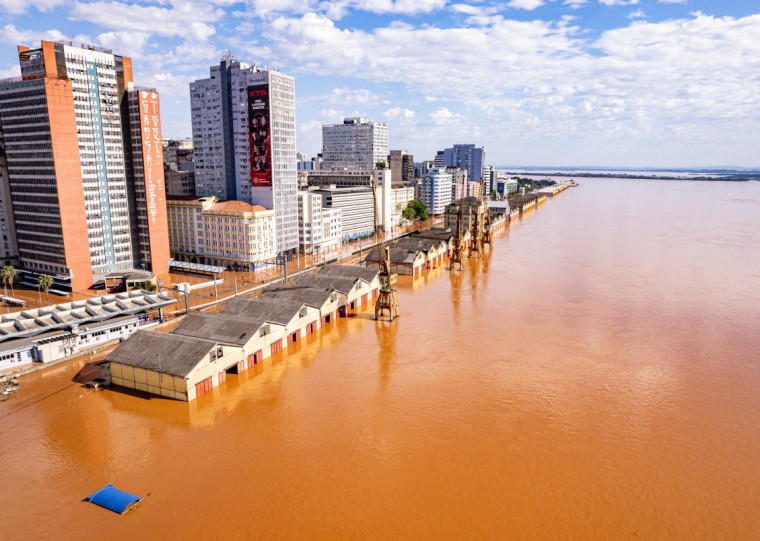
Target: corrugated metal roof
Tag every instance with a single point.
(114, 499)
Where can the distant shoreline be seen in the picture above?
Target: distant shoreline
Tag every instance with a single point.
(735, 177)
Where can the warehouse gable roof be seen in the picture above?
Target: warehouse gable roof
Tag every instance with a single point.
(303, 291)
(162, 352)
(328, 282)
(224, 328)
(350, 271)
(279, 311)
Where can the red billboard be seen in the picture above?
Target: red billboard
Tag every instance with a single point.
(259, 135)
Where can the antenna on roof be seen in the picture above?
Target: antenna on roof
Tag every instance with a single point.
(228, 54)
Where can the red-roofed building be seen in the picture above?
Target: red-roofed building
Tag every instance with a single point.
(223, 233)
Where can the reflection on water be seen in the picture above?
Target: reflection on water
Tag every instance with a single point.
(594, 376)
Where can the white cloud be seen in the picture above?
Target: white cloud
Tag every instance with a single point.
(17, 7)
(12, 71)
(527, 5)
(649, 81)
(638, 14)
(13, 36)
(187, 20)
(399, 116)
(618, 2)
(575, 4)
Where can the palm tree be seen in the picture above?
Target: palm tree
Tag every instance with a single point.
(8, 273)
(45, 281)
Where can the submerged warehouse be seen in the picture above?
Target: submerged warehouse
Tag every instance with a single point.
(204, 348)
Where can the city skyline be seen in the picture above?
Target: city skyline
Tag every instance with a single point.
(625, 83)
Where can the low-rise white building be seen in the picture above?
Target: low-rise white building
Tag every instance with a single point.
(319, 228)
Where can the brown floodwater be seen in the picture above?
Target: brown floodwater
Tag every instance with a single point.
(596, 376)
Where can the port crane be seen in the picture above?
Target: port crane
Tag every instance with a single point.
(386, 300)
(456, 248)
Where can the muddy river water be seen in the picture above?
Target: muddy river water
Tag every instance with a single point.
(596, 376)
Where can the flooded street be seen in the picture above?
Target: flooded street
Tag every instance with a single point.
(595, 376)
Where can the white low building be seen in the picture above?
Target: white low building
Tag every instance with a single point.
(319, 228)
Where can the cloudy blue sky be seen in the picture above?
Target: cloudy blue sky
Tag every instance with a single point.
(660, 83)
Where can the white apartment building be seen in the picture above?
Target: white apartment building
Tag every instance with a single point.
(400, 198)
(355, 144)
(319, 228)
(212, 232)
(244, 140)
(436, 190)
(357, 206)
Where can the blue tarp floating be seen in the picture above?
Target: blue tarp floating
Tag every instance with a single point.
(114, 499)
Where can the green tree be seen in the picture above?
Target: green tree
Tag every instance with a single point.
(8, 273)
(420, 209)
(147, 285)
(45, 281)
(381, 165)
(409, 214)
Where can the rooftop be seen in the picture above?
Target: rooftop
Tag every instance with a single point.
(279, 311)
(224, 328)
(349, 271)
(162, 352)
(72, 314)
(236, 206)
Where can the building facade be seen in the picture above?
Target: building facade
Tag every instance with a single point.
(8, 246)
(320, 229)
(244, 141)
(97, 154)
(212, 232)
(357, 206)
(436, 190)
(355, 144)
(402, 166)
(466, 157)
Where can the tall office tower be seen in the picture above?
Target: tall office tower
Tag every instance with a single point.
(88, 195)
(439, 160)
(402, 166)
(355, 144)
(466, 157)
(244, 141)
(8, 246)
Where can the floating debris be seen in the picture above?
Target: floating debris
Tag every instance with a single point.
(114, 499)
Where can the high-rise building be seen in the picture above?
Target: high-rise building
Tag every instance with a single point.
(88, 195)
(466, 157)
(436, 190)
(355, 144)
(8, 246)
(402, 166)
(244, 141)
